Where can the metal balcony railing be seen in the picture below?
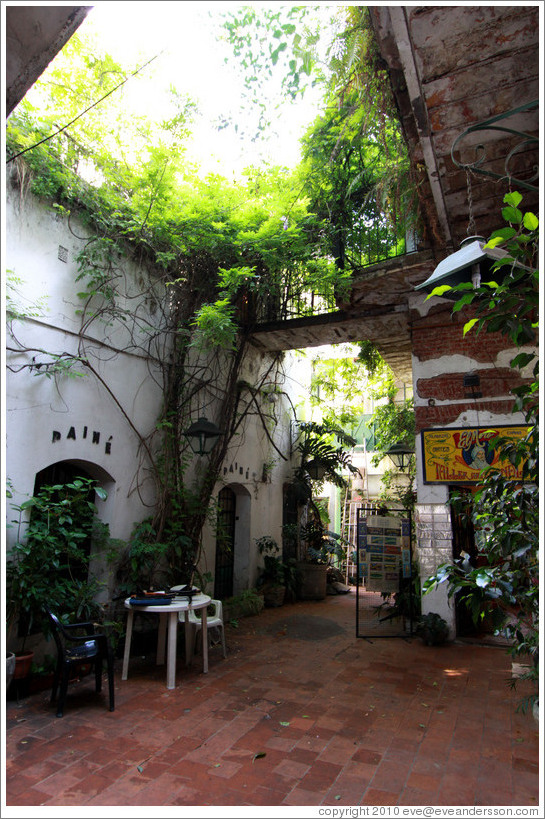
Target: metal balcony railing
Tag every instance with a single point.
(366, 242)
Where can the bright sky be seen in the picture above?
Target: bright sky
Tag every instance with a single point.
(192, 59)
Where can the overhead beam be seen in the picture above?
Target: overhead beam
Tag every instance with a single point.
(34, 36)
(398, 17)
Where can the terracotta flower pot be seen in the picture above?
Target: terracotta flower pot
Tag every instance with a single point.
(313, 580)
(40, 682)
(23, 663)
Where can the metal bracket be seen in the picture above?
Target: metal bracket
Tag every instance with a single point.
(480, 150)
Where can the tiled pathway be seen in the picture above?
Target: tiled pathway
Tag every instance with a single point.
(302, 713)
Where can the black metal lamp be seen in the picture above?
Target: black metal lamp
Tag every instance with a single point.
(400, 454)
(202, 436)
(472, 263)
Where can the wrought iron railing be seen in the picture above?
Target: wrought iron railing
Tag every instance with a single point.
(368, 241)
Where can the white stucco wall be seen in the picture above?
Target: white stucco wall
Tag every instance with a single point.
(63, 418)
(256, 468)
(75, 419)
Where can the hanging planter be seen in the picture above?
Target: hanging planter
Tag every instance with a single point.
(317, 469)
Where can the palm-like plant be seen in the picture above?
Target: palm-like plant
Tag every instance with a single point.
(324, 454)
(324, 450)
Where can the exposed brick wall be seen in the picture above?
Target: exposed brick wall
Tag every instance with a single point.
(450, 386)
(440, 333)
(448, 413)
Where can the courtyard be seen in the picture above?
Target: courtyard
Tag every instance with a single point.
(301, 714)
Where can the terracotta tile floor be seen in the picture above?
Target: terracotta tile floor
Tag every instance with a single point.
(288, 719)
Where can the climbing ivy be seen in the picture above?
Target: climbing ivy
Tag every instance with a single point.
(215, 256)
(211, 253)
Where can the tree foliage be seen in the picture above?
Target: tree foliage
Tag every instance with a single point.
(215, 255)
(274, 49)
(355, 171)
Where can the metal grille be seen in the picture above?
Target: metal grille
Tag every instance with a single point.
(349, 530)
(225, 544)
(384, 602)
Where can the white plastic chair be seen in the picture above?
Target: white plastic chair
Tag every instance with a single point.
(213, 620)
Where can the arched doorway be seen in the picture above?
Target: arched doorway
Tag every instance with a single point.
(63, 472)
(60, 474)
(232, 565)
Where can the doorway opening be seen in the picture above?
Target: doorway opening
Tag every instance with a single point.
(225, 544)
(464, 547)
(60, 474)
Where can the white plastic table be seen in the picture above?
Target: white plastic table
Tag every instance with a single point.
(168, 617)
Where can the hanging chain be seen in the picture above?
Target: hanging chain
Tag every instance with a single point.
(471, 229)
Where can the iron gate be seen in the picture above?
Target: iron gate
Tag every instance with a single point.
(225, 544)
(385, 579)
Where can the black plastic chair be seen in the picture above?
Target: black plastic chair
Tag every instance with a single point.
(72, 650)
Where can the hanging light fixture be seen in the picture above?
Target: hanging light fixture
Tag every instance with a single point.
(202, 436)
(472, 263)
(401, 455)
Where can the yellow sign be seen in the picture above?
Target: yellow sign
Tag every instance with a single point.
(460, 455)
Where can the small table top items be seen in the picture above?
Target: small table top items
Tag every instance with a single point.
(168, 606)
(163, 598)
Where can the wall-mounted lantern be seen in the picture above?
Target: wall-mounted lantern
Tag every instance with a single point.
(401, 455)
(202, 436)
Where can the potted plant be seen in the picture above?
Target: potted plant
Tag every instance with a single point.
(406, 602)
(272, 580)
(246, 604)
(323, 457)
(315, 560)
(433, 629)
(42, 567)
(18, 610)
(41, 674)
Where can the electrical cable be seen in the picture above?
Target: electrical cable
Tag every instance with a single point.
(94, 104)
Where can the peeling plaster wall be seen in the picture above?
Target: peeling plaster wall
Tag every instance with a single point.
(441, 358)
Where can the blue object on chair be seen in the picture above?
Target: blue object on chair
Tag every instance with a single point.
(72, 650)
